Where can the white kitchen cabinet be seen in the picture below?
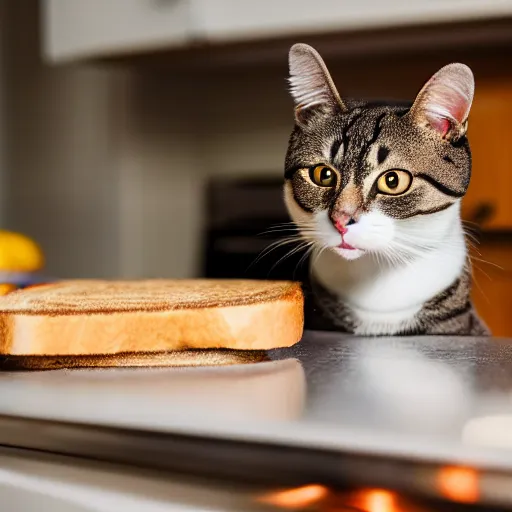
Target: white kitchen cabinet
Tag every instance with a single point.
(225, 20)
(78, 29)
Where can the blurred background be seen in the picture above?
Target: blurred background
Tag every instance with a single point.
(146, 138)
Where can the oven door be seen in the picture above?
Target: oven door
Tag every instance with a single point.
(249, 234)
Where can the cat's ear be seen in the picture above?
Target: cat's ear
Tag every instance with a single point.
(444, 102)
(311, 84)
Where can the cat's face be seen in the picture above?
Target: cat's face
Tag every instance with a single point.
(365, 178)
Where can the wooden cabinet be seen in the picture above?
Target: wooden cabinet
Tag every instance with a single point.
(78, 29)
(490, 134)
(492, 284)
(489, 193)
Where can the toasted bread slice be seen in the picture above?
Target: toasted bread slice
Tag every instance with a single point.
(92, 317)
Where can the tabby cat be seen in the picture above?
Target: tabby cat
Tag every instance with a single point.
(376, 191)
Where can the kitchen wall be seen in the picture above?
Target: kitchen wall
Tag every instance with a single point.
(106, 166)
(60, 185)
(180, 134)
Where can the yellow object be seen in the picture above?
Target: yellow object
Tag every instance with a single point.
(6, 288)
(19, 253)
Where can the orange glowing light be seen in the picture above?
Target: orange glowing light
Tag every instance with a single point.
(459, 484)
(296, 498)
(375, 500)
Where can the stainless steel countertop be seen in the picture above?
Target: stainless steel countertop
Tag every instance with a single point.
(421, 400)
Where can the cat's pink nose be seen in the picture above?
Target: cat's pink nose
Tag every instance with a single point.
(341, 227)
(342, 222)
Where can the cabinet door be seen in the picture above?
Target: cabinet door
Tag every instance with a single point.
(490, 135)
(219, 20)
(492, 285)
(76, 29)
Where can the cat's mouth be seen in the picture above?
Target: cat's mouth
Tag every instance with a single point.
(349, 252)
(344, 245)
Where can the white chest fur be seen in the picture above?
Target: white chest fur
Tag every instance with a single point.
(386, 298)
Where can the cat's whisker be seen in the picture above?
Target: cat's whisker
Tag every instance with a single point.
(480, 260)
(474, 249)
(289, 226)
(304, 257)
(394, 256)
(377, 255)
(420, 246)
(300, 247)
(471, 235)
(479, 288)
(271, 231)
(409, 249)
(284, 241)
(272, 247)
(322, 249)
(472, 242)
(474, 266)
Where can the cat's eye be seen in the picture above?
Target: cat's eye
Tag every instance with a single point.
(394, 182)
(322, 176)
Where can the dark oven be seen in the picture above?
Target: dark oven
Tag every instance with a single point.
(247, 224)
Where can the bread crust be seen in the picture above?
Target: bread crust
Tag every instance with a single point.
(102, 317)
(134, 360)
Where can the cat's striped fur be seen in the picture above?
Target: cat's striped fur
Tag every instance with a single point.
(376, 189)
